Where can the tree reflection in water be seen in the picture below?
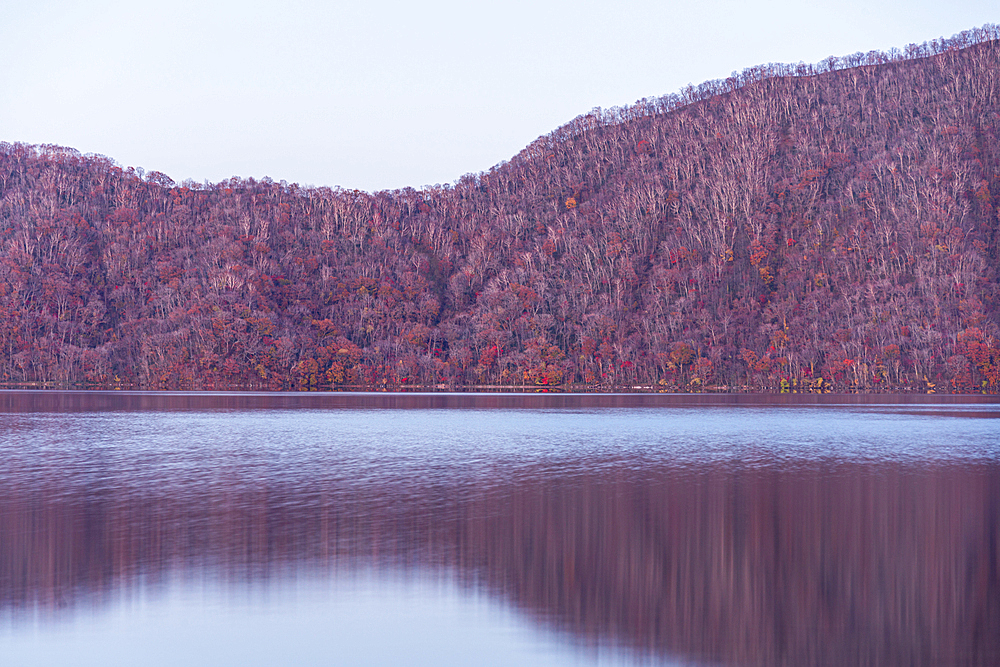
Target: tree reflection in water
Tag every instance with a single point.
(780, 563)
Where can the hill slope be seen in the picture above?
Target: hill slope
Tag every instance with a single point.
(793, 226)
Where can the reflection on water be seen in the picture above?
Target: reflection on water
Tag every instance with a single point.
(743, 533)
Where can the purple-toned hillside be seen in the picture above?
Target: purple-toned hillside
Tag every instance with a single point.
(796, 227)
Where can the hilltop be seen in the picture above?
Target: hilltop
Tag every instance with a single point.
(790, 228)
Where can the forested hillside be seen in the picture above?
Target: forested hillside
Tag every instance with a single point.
(791, 228)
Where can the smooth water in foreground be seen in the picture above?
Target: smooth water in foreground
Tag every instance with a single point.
(373, 529)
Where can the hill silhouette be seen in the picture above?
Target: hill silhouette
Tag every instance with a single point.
(794, 227)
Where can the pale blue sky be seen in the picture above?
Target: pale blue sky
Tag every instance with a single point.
(389, 94)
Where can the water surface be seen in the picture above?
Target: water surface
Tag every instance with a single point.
(463, 529)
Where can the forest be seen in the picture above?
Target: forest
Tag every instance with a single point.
(794, 228)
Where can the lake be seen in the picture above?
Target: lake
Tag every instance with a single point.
(461, 529)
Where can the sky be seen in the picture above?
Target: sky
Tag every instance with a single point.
(383, 94)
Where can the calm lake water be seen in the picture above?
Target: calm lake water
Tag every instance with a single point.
(375, 529)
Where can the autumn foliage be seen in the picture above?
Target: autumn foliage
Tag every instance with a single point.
(794, 227)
